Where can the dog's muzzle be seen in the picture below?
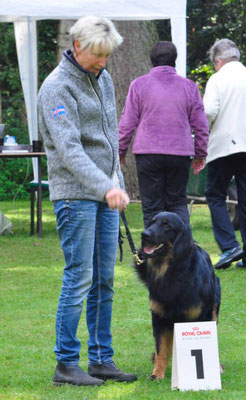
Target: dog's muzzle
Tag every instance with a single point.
(150, 250)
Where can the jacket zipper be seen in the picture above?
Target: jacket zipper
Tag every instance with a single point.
(103, 125)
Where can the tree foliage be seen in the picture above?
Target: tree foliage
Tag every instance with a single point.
(13, 113)
(208, 21)
(15, 172)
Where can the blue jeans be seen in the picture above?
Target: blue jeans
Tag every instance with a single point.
(219, 175)
(88, 233)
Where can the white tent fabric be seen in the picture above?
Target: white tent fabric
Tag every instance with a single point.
(25, 13)
(14, 10)
(5, 224)
(26, 44)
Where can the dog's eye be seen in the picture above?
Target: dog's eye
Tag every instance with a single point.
(152, 222)
(164, 224)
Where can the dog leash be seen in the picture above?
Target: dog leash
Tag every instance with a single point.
(130, 241)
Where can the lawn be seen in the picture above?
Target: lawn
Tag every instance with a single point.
(30, 281)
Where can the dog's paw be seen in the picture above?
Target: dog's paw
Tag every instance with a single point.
(154, 377)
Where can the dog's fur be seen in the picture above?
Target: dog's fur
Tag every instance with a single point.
(181, 282)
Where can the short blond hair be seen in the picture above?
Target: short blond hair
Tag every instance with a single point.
(94, 33)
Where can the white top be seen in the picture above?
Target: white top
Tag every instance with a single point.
(225, 106)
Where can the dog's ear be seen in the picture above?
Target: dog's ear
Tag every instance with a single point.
(182, 243)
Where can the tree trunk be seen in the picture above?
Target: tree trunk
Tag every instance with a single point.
(63, 37)
(128, 62)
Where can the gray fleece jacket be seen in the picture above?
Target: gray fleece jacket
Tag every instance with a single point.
(78, 124)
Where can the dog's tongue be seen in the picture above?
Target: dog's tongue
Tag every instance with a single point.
(149, 249)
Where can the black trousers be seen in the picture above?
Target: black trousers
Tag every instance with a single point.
(219, 175)
(162, 182)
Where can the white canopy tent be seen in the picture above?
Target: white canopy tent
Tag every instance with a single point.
(25, 13)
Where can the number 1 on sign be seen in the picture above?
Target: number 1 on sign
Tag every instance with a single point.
(199, 363)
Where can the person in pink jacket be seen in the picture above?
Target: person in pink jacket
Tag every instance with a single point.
(164, 109)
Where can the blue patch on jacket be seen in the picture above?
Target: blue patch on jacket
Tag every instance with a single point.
(59, 111)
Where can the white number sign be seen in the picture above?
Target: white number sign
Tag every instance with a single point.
(195, 364)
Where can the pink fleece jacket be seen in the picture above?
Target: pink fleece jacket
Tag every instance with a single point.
(164, 108)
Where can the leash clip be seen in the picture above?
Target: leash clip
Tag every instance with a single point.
(129, 237)
(137, 259)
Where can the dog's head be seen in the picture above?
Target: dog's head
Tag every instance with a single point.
(166, 231)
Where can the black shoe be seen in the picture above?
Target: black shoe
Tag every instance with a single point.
(73, 375)
(110, 371)
(228, 257)
(241, 264)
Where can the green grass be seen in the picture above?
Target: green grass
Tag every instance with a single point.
(30, 281)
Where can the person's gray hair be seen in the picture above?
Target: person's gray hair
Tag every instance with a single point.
(94, 32)
(225, 50)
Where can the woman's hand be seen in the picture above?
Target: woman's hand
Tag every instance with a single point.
(198, 164)
(117, 198)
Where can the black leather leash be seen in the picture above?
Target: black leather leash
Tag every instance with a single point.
(130, 241)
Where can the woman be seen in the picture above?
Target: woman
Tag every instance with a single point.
(77, 117)
(163, 107)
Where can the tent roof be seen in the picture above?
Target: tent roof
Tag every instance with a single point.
(21, 10)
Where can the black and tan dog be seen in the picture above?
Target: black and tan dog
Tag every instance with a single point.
(181, 282)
